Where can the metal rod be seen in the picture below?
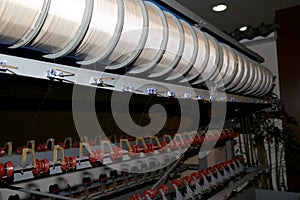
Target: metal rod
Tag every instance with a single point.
(15, 188)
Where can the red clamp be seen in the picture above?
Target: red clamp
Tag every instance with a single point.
(174, 144)
(93, 157)
(163, 188)
(136, 150)
(65, 163)
(42, 167)
(150, 148)
(175, 182)
(195, 176)
(186, 180)
(42, 147)
(117, 153)
(150, 193)
(163, 147)
(135, 197)
(6, 170)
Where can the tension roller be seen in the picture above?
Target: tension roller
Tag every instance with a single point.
(6, 170)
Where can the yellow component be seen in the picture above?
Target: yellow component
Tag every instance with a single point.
(24, 156)
(8, 145)
(55, 150)
(126, 142)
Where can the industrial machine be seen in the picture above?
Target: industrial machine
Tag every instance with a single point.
(116, 60)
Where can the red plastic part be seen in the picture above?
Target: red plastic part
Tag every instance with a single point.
(196, 140)
(186, 180)
(39, 148)
(135, 150)
(175, 182)
(2, 170)
(120, 149)
(164, 188)
(151, 147)
(114, 154)
(100, 154)
(93, 158)
(72, 160)
(19, 150)
(151, 193)
(65, 166)
(173, 144)
(195, 175)
(2, 151)
(46, 166)
(135, 197)
(39, 167)
(75, 144)
(9, 169)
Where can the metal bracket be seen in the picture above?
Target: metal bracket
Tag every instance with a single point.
(58, 74)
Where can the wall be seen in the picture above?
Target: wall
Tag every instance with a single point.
(288, 46)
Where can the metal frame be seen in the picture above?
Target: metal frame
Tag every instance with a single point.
(90, 77)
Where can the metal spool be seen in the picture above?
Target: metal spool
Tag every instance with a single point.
(239, 72)
(250, 78)
(16, 28)
(103, 32)
(156, 41)
(270, 86)
(214, 62)
(255, 77)
(62, 25)
(201, 59)
(189, 54)
(245, 76)
(263, 82)
(268, 81)
(225, 65)
(174, 48)
(231, 69)
(258, 82)
(89, 5)
(133, 37)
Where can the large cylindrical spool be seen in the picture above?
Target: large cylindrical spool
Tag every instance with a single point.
(245, 75)
(231, 68)
(250, 78)
(19, 19)
(201, 59)
(133, 37)
(225, 64)
(103, 32)
(61, 25)
(189, 54)
(257, 83)
(174, 48)
(156, 41)
(271, 82)
(253, 76)
(239, 72)
(214, 62)
(263, 81)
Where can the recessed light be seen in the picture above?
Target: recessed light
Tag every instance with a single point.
(243, 28)
(219, 8)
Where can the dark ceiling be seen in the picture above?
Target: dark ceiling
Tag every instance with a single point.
(239, 12)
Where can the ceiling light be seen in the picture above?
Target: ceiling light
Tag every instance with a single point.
(243, 28)
(219, 7)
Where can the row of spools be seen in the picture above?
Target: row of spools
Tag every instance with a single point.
(135, 33)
